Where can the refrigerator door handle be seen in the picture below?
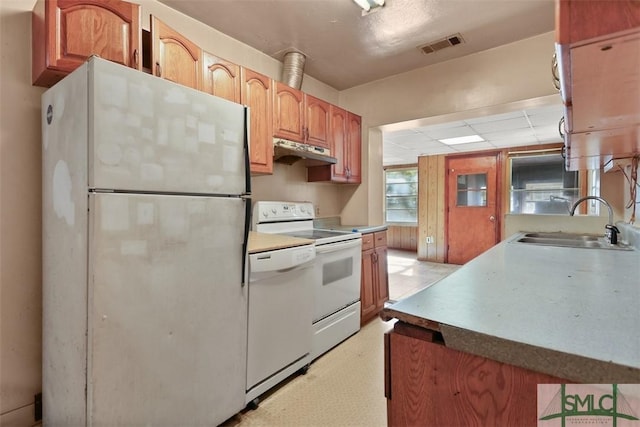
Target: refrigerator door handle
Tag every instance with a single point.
(247, 159)
(245, 242)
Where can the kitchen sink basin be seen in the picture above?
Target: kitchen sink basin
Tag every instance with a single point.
(568, 240)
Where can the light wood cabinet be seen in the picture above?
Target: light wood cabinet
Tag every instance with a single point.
(221, 77)
(300, 117)
(256, 94)
(374, 282)
(67, 32)
(602, 103)
(346, 146)
(288, 113)
(447, 387)
(316, 121)
(174, 57)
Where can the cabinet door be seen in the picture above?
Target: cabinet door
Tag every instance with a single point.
(317, 130)
(354, 161)
(382, 282)
(256, 94)
(367, 297)
(339, 143)
(175, 57)
(428, 384)
(221, 77)
(288, 113)
(67, 32)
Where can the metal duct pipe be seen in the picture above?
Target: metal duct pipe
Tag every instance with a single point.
(293, 69)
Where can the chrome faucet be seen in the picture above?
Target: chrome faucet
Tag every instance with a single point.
(612, 231)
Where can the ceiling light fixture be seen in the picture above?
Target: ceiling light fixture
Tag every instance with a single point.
(368, 4)
(462, 140)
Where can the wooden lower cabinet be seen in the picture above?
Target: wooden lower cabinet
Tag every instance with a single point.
(374, 282)
(428, 384)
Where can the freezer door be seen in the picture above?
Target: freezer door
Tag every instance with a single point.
(167, 311)
(149, 134)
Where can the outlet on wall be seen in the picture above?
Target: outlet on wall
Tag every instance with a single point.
(430, 239)
(317, 210)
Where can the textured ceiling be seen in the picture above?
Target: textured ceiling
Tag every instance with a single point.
(346, 48)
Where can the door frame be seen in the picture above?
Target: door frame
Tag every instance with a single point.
(500, 175)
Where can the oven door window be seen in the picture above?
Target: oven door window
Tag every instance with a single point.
(336, 270)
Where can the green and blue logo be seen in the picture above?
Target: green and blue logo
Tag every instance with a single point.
(587, 407)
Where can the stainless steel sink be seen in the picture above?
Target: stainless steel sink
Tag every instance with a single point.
(568, 240)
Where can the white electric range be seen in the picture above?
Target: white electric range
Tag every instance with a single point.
(337, 269)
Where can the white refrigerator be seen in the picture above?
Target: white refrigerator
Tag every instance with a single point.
(145, 225)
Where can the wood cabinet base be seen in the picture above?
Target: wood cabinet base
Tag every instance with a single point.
(428, 384)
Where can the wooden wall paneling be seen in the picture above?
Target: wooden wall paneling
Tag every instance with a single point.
(441, 211)
(403, 237)
(432, 205)
(422, 206)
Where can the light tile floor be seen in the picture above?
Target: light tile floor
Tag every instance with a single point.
(345, 387)
(407, 275)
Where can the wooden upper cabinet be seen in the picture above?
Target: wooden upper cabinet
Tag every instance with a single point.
(602, 103)
(288, 113)
(339, 142)
(67, 32)
(256, 94)
(174, 57)
(354, 162)
(316, 122)
(346, 146)
(580, 20)
(221, 77)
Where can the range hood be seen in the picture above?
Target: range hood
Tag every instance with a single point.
(289, 152)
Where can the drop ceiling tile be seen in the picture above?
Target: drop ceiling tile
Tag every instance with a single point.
(452, 132)
(509, 134)
(514, 142)
(502, 125)
(473, 146)
(447, 125)
(497, 117)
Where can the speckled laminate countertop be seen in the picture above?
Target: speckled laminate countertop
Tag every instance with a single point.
(262, 242)
(569, 312)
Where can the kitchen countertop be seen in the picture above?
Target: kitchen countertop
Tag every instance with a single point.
(262, 242)
(568, 312)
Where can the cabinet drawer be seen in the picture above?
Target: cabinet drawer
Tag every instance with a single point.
(380, 238)
(367, 241)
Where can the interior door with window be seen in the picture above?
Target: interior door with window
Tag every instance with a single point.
(472, 206)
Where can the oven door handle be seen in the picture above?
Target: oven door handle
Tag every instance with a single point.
(333, 247)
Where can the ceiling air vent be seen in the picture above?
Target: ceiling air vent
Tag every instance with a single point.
(441, 44)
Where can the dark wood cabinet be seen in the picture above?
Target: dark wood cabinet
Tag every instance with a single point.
(602, 103)
(256, 94)
(430, 385)
(66, 32)
(221, 77)
(374, 281)
(174, 57)
(346, 145)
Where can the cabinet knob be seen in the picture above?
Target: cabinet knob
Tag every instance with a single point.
(158, 70)
(135, 57)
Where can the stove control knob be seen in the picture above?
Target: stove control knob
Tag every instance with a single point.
(303, 209)
(265, 214)
(273, 210)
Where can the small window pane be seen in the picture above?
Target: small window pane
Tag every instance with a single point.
(472, 190)
(401, 194)
(540, 185)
